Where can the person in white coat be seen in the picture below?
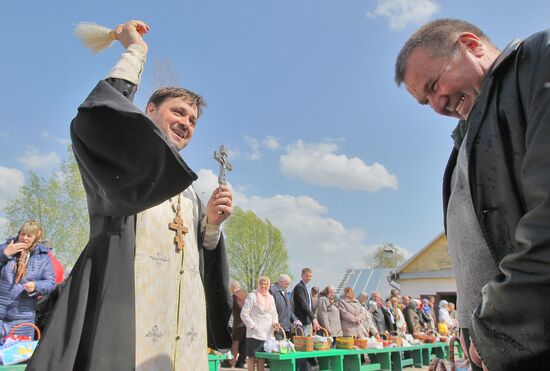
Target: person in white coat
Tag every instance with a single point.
(259, 315)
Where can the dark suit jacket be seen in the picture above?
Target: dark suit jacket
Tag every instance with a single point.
(390, 326)
(302, 309)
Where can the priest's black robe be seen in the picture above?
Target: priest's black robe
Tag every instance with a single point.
(127, 166)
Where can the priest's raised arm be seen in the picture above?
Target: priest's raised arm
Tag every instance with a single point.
(149, 291)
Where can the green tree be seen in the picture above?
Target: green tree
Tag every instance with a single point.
(385, 256)
(59, 205)
(255, 248)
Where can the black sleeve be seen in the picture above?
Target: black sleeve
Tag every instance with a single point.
(126, 163)
(124, 87)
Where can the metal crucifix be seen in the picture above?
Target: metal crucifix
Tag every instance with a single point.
(222, 157)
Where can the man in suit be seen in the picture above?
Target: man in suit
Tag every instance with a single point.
(287, 318)
(303, 308)
(382, 317)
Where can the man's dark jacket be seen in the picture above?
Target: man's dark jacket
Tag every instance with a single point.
(127, 166)
(302, 309)
(390, 325)
(284, 307)
(508, 151)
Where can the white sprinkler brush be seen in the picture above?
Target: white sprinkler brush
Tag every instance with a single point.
(95, 37)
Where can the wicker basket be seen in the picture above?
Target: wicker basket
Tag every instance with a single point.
(302, 343)
(360, 343)
(396, 339)
(36, 329)
(317, 345)
(344, 342)
(431, 336)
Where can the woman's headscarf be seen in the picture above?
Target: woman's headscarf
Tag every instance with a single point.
(264, 301)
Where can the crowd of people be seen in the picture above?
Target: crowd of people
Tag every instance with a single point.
(306, 310)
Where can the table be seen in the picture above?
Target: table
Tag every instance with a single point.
(214, 361)
(19, 367)
(350, 360)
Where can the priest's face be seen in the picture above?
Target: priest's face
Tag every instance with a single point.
(448, 84)
(176, 118)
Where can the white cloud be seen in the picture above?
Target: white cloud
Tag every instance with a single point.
(62, 141)
(254, 146)
(10, 182)
(205, 185)
(318, 164)
(32, 159)
(271, 143)
(401, 13)
(312, 238)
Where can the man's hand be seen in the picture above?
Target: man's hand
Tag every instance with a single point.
(131, 33)
(15, 247)
(316, 326)
(30, 287)
(220, 205)
(298, 323)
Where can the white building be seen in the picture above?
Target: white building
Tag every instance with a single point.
(428, 272)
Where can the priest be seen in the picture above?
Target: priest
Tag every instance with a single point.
(149, 291)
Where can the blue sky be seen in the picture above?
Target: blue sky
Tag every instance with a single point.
(322, 141)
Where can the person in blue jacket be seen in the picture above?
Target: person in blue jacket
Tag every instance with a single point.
(26, 272)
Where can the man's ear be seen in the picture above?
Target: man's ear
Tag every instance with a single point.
(151, 107)
(471, 43)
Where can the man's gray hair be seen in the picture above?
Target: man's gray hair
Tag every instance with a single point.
(284, 278)
(363, 297)
(439, 38)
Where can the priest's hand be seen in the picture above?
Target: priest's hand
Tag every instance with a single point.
(131, 33)
(220, 205)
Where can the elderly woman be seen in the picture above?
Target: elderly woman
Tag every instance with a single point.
(351, 314)
(259, 315)
(444, 315)
(368, 321)
(412, 318)
(400, 324)
(26, 271)
(328, 313)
